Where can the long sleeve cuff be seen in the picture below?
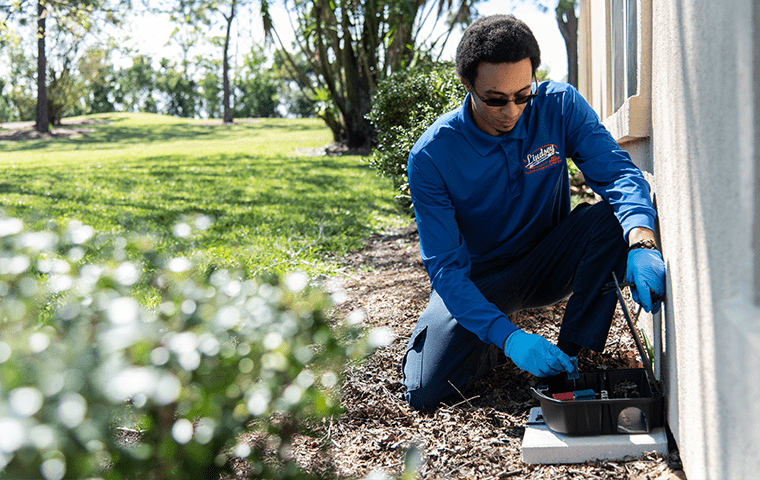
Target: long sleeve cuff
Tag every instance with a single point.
(500, 330)
(637, 220)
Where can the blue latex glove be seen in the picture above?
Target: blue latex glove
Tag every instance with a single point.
(646, 270)
(534, 354)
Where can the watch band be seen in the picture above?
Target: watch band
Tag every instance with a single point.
(648, 244)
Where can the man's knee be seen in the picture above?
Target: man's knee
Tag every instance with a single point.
(441, 354)
(422, 399)
(605, 229)
(603, 215)
(420, 392)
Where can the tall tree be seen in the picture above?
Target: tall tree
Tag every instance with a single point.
(567, 22)
(76, 17)
(226, 63)
(42, 114)
(353, 45)
(206, 13)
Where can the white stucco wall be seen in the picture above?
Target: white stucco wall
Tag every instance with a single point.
(699, 156)
(703, 179)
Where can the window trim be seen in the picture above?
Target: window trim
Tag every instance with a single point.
(623, 21)
(756, 239)
(633, 119)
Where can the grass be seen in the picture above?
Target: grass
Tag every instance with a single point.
(238, 196)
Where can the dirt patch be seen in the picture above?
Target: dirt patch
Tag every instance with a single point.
(16, 131)
(334, 150)
(479, 436)
(215, 122)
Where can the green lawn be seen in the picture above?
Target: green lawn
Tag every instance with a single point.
(226, 196)
(141, 274)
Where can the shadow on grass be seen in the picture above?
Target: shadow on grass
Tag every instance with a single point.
(117, 131)
(299, 196)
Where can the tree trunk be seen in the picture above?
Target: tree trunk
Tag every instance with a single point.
(357, 97)
(42, 116)
(226, 69)
(568, 27)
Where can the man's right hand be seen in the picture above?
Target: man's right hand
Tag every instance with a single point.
(534, 354)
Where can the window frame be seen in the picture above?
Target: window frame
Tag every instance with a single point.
(756, 67)
(630, 119)
(624, 55)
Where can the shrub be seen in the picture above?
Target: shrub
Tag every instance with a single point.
(405, 105)
(106, 386)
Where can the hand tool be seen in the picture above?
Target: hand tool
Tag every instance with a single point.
(636, 336)
(610, 287)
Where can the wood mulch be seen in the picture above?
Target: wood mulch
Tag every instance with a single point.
(478, 437)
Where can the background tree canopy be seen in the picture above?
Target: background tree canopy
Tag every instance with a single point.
(352, 46)
(61, 58)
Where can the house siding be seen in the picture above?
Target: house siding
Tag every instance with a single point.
(700, 160)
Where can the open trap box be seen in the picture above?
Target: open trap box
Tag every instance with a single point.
(598, 402)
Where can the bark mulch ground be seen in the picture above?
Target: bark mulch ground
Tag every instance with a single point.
(479, 436)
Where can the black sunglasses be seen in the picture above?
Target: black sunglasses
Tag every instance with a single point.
(500, 102)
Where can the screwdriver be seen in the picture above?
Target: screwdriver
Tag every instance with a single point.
(610, 287)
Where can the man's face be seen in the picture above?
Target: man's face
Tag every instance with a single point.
(499, 81)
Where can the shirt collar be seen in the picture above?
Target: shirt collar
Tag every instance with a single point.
(482, 142)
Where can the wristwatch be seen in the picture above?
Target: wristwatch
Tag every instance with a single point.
(648, 244)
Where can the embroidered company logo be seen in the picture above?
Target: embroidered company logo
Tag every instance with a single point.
(541, 158)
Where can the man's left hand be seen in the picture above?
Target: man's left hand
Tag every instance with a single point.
(646, 270)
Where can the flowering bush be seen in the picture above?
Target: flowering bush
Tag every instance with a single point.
(186, 370)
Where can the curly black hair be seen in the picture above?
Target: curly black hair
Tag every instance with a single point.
(495, 39)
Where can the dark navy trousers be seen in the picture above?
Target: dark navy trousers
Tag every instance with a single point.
(576, 258)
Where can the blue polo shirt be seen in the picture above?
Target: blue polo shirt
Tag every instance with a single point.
(480, 198)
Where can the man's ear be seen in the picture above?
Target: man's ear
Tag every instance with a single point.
(464, 82)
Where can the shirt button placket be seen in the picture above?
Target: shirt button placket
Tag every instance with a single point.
(514, 168)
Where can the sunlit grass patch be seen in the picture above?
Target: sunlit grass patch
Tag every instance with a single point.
(240, 195)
